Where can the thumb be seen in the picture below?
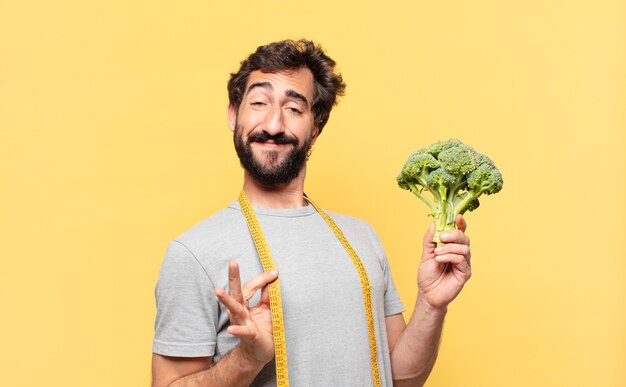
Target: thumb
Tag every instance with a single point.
(428, 244)
(265, 295)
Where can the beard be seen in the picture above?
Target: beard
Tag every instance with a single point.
(273, 172)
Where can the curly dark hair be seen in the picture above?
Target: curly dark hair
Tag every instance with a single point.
(290, 55)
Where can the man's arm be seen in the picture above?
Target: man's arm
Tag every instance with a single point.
(239, 367)
(235, 369)
(167, 369)
(443, 272)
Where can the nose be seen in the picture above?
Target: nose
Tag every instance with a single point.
(273, 123)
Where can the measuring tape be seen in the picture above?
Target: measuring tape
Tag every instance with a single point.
(276, 303)
(278, 327)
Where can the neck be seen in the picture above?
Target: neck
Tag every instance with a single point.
(289, 195)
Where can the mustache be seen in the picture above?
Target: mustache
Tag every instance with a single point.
(279, 138)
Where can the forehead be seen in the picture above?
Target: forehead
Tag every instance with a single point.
(300, 80)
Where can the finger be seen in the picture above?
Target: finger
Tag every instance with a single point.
(453, 248)
(460, 222)
(234, 282)
(258, 282)
(459, 262)
(454, 259)
(238, 312)
(454, 236)
(241, 330)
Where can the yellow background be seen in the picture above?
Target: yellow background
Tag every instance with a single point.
(114, 141)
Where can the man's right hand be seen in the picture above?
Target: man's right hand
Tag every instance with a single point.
(253, 326)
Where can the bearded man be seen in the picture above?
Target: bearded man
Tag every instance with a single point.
(341, 322)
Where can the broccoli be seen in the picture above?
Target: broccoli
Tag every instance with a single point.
(455, 174)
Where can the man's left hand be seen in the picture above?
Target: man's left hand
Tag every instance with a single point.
(444, 269)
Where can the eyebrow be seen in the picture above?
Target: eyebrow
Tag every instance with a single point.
(294, 94)
(265, 85)
(289, 93)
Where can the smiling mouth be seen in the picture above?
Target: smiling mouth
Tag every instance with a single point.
(270, 144)
(278, 139)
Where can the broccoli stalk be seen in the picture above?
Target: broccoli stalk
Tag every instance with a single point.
(455, 175)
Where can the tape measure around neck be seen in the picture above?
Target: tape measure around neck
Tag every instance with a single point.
(276, 304)
(278, 329)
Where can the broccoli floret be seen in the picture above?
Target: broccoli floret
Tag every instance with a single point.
(455, 174)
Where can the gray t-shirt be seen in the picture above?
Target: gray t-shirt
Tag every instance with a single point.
(325, 325)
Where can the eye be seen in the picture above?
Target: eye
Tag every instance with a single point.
(294, 110)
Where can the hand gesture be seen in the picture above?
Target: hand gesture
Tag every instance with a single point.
(253, 326)
(444, 269)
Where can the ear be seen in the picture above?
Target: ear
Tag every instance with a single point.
(314, 134)
(232, 116)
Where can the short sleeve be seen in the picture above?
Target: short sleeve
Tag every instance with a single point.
(187, 309)
(393, 304)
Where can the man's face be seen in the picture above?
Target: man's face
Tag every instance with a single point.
(274, 125)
